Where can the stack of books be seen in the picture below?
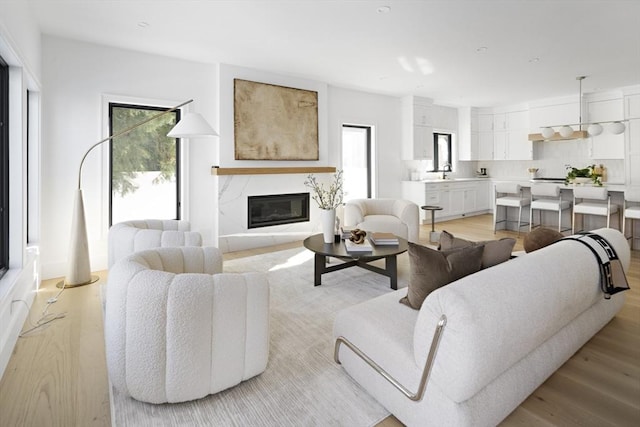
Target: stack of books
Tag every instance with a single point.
(345, 232)
(379, 239)
(357, 247)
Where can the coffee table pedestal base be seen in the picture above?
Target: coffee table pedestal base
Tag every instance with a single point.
(390, 270)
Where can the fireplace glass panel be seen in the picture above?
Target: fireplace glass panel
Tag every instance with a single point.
(277, 209)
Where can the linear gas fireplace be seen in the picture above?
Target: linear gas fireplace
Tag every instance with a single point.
(277, 209)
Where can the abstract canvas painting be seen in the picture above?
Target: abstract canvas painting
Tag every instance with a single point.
(274, 122)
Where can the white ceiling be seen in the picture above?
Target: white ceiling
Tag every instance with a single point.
(426, 48)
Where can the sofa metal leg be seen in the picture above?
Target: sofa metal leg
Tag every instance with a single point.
(417, 396)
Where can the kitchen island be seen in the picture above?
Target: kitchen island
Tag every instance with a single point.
(461, 197)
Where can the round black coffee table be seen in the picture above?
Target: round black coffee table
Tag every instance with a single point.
(323, 251)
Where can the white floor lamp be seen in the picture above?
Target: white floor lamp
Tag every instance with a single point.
(192, 125)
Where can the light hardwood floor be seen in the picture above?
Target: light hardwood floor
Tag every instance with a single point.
(57, 375)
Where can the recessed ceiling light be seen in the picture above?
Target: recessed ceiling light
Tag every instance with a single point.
(482, 49)
(143, 24)
(384, 9)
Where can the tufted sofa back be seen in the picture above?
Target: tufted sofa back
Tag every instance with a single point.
(128, 237)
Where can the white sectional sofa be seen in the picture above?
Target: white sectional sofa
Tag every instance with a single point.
(508, 328)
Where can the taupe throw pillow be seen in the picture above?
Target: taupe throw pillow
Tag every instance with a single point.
(539, 238)
(431, 269)
(495, 251)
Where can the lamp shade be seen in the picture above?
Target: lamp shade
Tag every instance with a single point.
(192, 125)
(566, 131)
(547, 132)
(616, 128)
(594, 129)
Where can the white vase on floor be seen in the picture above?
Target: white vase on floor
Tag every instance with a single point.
(328, 224)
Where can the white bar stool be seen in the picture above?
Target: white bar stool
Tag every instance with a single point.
(631, 211)
(547, 197)
(509, 195)
(593, 201)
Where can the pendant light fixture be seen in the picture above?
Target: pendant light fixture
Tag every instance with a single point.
(565, 132)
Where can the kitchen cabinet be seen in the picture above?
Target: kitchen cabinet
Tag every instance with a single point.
(606, 145)
(417, 128)
(566, 111)
(518, 146)
(503, 136)
(485, 136)
(632, 139)
(483, 196)
(500, 145)
(456, 198)
(467, 133)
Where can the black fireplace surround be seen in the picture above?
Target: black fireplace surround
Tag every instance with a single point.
(277, 209)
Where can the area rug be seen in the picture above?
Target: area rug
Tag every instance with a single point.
(302, 385)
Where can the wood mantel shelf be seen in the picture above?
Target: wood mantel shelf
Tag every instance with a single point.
(271, 171)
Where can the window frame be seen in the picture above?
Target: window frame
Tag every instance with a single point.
(368, 130)
(111, 104)
(4, 168)
(436, 166)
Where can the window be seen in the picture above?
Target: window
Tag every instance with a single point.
(4, 167)
(356, 161)
(442, 152)
(144, 165)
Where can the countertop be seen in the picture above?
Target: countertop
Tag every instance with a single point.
(618, 187)
(437, 180)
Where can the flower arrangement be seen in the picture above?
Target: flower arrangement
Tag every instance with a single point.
(576, 175)
(327, 198)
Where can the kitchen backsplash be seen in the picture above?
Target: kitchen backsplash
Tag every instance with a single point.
(552, 158)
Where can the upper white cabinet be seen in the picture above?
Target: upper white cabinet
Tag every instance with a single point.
(485, 136)
(467, 139)
(517, 130)
(417, 128)
(564, 112)
(632, 139)
(503, 135)
(606, 145)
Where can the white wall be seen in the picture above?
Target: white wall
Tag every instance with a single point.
(20, 39)
(383, 112)
(336, 107)
(233, 190)
(76, 76)
(20, 48)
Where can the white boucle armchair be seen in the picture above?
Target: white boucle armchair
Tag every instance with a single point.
(128, 237)
(397, 216)
(178, 329)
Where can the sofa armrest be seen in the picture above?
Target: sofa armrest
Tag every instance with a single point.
(353, 213)
(408, 213)
(418, 395)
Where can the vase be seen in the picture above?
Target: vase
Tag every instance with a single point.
(328, 224)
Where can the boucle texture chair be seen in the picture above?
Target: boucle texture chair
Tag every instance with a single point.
(593, 201)
(547, 197)
(509, 195)
(178, 329)
(128, 237)
(397, 216)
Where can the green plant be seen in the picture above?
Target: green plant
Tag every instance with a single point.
(588, 172)
(327, 198)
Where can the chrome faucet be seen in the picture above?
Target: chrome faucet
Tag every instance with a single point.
(446, 168)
